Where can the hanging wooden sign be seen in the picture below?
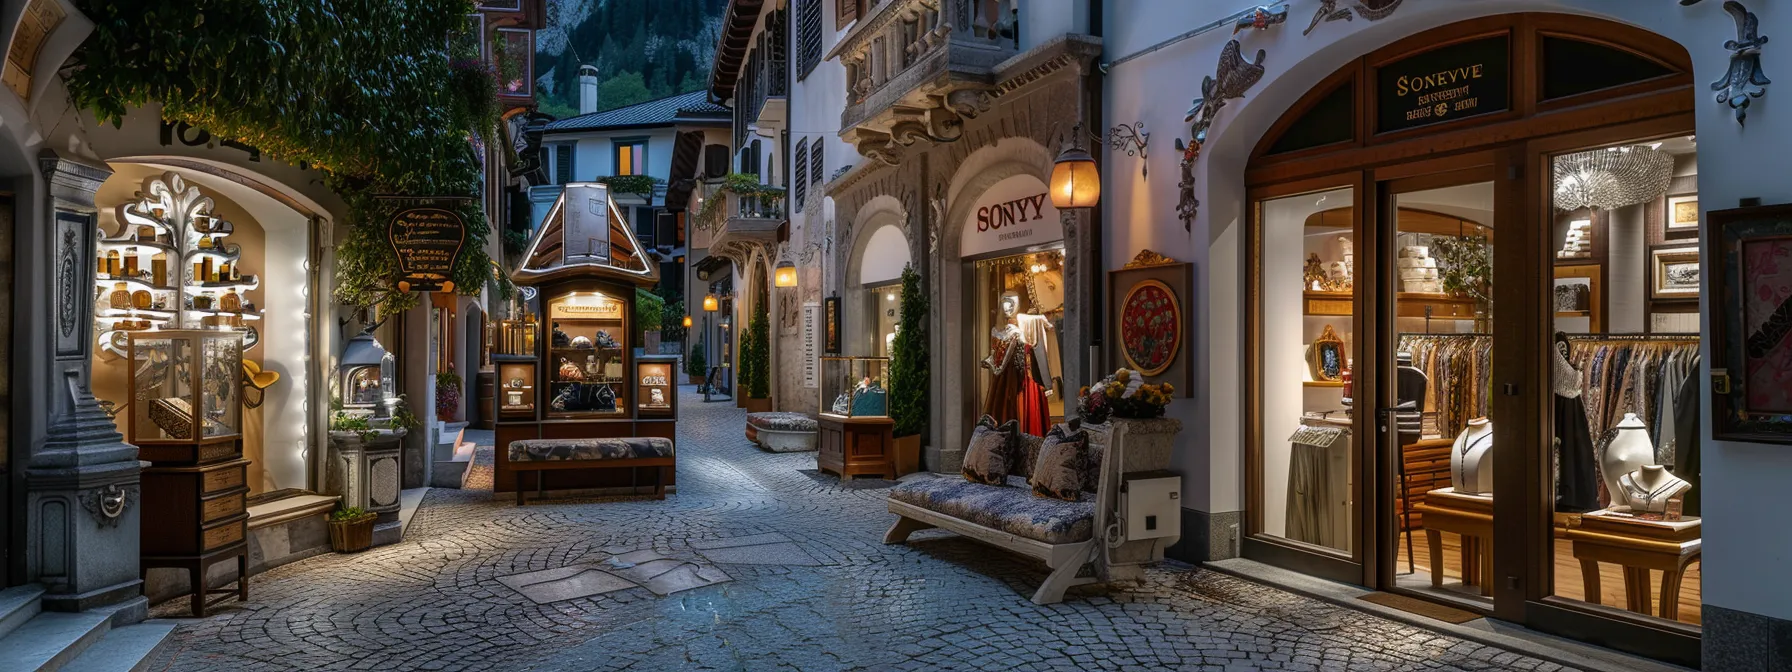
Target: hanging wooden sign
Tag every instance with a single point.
(1445, 84)
(428, 240)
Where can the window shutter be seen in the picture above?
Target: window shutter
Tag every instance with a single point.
(816, 165)
(799, 187)
(808, 36)
(847, 12)
(562, 164)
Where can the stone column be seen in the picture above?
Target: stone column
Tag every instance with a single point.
(82, 482)
(1080, 270)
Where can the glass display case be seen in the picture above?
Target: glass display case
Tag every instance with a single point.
(368, 376)
(587, 351)
(855, 387)
(185, 385)
(516, 387)
(654, 386)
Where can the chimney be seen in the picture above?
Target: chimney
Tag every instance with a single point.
(587, 89)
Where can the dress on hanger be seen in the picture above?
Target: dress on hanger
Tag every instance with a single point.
(1014, 392)
(1577, 479)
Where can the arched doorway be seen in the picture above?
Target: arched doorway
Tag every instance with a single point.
(1543, 151)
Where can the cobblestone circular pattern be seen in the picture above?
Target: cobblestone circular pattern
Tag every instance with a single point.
(433, 601)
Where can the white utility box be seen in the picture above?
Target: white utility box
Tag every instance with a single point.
(1151, 505)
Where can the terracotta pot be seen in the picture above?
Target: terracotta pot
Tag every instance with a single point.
(352, 536)
(907, 456)
(758, 405)
(695, 379)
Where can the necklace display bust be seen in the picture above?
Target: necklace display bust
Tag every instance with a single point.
(1628, 452)
(1650, 488)
(1471, 459)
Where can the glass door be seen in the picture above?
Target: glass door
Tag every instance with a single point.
(1434, 402)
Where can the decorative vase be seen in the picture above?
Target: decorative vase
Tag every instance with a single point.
(1629, 451)
(158, 269)
(142, 299)
(232, 301)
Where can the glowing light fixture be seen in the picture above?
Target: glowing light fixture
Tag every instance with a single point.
(710, 304)
(687, 321)
(785, 274)
(1076, 182)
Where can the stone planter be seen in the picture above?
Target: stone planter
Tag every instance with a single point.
(366, 473)
(352, 536)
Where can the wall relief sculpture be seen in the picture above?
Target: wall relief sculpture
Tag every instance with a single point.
(1745, 80)
(1233, 77)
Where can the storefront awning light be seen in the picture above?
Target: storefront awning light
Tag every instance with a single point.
(687, 321)
(710, 304)
(785, 274)
(1076, 183)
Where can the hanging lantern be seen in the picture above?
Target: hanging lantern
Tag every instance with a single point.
(710, 304)
(1076, 182)
(785, 274)
(687, 321)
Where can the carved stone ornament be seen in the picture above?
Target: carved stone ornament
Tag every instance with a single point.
(1745, 80)
(66, 281)
(108, 504)
(1232, 78)
(1262, 17)
(1147, 258)
(1370, 10)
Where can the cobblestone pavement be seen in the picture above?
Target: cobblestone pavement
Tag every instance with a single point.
(840, 600)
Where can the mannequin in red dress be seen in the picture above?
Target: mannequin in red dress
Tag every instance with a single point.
(1015, 393)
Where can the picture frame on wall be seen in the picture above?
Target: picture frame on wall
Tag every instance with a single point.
(1751, 325)
(1147, 322)
(1683, 213)
(830, 311)
(1674, 272)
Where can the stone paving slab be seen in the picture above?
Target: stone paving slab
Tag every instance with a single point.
(438, 599)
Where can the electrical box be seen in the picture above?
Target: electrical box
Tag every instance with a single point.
(1151, 505)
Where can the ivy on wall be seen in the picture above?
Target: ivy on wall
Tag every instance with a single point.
(366, 91)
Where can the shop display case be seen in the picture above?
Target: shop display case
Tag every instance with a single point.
(855, 387)
(654, 389)
(516, 376)
(587, 349)
(185, 390)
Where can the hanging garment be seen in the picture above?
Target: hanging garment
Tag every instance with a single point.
(1035, 331)
(1014, 394)
(1577, 479)
(1686, 441)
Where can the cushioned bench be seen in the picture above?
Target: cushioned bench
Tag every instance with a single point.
(782, 432)
(538, 455)
(1062, 533)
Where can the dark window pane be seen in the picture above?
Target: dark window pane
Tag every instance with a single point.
(562, 164)
(1573, 67)
(1333, 119)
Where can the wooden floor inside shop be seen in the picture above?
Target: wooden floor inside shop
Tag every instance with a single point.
(1567, 577)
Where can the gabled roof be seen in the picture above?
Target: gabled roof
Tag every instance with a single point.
(552, 256)
(693, 107)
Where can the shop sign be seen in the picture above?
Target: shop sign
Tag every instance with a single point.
(1444, 84)
(585, 216)
(428, 240)
(1017, 212)
(811, 317)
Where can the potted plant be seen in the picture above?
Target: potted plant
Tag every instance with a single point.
(447, 394)
(696, 367)
(351, 529)
(908, 374)
(1126, 398)
(756, 362)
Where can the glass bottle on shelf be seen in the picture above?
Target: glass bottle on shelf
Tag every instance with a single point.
(592, 372)
(158, 269)
(205, 242)
(146, 233)
(142, 299)
(121, 297)
(130, 262)
(202, 301)
(235, 276)
(232, 301)
(224, 270)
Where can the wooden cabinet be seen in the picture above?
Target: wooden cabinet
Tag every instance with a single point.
(852, 447)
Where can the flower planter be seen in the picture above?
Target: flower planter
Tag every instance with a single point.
(695, 379)
(352, 536)
(758, 405)
(907, 456)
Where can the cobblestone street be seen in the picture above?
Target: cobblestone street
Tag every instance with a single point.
(807, 586)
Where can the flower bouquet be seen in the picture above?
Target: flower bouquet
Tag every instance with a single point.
(1125, 394)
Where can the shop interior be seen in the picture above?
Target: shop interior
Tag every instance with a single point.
(1019, 310)
(1625, 246)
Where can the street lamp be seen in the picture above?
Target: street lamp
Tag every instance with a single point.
(1076, 182)
(687, 321)
(710, 305)
(785, 275)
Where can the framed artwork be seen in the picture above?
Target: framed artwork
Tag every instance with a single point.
(1578, 294)
(1676, 272)
(831, 314)
(1751, 349)
(1326, 357)
(1683, 213)
(1147, 322)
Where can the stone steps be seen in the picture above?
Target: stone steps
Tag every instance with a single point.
(34, 640)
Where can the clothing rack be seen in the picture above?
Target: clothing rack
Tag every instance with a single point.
(1438, 334)
(1653, 338)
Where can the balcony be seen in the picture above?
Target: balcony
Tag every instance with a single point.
(916, 69)
(738, 214)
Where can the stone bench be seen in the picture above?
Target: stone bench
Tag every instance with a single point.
(539, 455)
(782, 432)
(1010, 517)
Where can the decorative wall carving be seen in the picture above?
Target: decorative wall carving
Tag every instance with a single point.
(1262, 17)
(66, 282)
(1132, 139)
(1370, 10)
(1745, 80)
(1231, 79)
(108, 504)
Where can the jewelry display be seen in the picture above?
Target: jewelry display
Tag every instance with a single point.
(1471, 459)
(1629, 451)
(1650, 488)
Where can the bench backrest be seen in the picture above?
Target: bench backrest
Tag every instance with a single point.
(1028, 457)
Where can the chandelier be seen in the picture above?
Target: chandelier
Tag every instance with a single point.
(1611, 178)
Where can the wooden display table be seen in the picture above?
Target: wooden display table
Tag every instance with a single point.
(1470, 516)
(856, 446)
(1638, 546)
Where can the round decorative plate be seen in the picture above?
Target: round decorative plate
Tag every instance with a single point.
(1150, 327)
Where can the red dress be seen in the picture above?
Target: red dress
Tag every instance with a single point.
(1014, 393)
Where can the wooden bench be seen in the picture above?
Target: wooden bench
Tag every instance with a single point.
(1063, 534)
(782, 432)
(539, 455)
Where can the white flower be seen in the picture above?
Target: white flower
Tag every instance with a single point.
(1132, 387)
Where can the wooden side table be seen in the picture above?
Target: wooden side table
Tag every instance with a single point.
(1638, 546)
(1471, 516)
(851, 447)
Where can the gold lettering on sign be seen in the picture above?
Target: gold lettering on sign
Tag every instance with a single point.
(41, 17)
(1409, 85)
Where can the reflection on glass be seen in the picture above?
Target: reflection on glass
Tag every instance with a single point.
(1309, 321)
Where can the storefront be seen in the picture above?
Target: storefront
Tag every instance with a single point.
(1012, 249)
(1445, 235)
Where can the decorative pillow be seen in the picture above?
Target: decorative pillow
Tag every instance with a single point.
(1063, 464)
(991, 451)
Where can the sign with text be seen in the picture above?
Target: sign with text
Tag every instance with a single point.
(811, 317)
(1445, 84)
(1015, 213)
(585, 232)
(428, 240)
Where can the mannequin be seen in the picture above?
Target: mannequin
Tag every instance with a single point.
(1628, 452)
(1577, 481)
(1017, 391)
(1471, 459)
(1650, 488)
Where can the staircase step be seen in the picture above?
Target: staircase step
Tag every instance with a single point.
(125, 649)
(18, 605)
(51, 640)
(464, 452)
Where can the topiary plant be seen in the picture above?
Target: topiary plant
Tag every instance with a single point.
(756, 355)
(908, 359)
(695, 365)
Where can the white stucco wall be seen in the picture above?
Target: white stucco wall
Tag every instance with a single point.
(1746, 547)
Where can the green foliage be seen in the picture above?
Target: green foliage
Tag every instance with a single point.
(376, 102)
(403, 418)
(516, 242)
(352, 514)
(695, 364)
(358, 424)
(664, 45)
(640, 185)
(622, 90)
(648, 308)
(908, 360)
(447, 379)
(714, 211)
(672, 322)
(1467, 263)
(758, 354)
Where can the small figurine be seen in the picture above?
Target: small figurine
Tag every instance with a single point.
(1314, 275)
(658, 397)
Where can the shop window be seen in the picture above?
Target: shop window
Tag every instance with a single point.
(1019, 310)
(1308, 326)
(884, 305)
(1572, 67)
(631, 157)
(715, 160)
(1331, 120)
